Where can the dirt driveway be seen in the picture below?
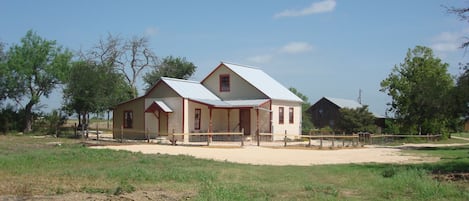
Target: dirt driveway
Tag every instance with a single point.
(282, 156)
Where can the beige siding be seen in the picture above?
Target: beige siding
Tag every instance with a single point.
(138, 125)
(239, 88)
(291, 129)
(220, 120)
(175, 118)
(204, 122)
(162, 90)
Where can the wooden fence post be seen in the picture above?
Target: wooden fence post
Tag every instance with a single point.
(285, 139)
(242, 137)
(97, 132)
(147, 134)
(333, 138)
(258, 137)
(320, 142)
(75, 130)
(173, 141)
(343, 139)
(122, 134)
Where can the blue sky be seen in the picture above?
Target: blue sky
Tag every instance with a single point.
(321, 47)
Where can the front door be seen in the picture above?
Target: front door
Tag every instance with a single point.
(245, 120)
(163, 123)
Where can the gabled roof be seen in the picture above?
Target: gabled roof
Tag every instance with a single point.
(189, 89)
(344, 103)
(263, 82)
(159, 105)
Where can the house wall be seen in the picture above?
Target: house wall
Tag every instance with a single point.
(291, 128)
(219, 119)
(264, 120)
(137, 106)
(175, 119)
(239, 88)
(162, 90)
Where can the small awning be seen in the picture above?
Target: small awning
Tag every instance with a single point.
(159, 105)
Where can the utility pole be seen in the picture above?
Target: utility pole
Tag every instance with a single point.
(359, 96)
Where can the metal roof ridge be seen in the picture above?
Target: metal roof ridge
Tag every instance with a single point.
(241, 65)
(180, 80)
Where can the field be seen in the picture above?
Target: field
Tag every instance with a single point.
(46, 168)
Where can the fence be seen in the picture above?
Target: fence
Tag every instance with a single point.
(208, 137)
(323, 138)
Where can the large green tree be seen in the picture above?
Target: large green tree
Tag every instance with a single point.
(174, 67)
(34, 68)
(306, 123)
(3, 73)
(420, 88)
(356, 120)
(93, 88)
(461, 93)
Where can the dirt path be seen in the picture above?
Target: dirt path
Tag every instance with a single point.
(281, 156)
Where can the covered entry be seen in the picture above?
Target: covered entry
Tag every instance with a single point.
(161, 111)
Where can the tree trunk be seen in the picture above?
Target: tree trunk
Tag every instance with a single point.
(28, 117)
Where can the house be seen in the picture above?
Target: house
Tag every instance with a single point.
(326, 112)
(232, 98)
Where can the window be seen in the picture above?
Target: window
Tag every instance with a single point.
(280, 115)
(224, 83)
(197, 117)
(128, 119)
(290, 115)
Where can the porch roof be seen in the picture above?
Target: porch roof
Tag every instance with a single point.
(159, 105)
(232, 103)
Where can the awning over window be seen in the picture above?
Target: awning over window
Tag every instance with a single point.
(159, 105)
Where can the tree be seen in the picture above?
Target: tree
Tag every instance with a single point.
(93, 88)
(130, 57)
(463, 14)
(420, 88)
(174, 67)
(306, 123)
(3, 72)
(461, 94)
(356, 120)
(34, 69)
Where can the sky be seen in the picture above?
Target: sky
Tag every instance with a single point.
(323, 48)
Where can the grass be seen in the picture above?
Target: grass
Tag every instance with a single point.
(462, 134)
(38, 166)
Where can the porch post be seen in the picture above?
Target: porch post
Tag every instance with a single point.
(229, 130)
(210, 127)
(257, 126)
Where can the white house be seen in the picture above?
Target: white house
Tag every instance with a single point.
(232, 98)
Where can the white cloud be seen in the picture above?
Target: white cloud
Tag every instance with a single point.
(290, 48)
(314, 8)
(151, 31)
(449, 41)
(296, 47)
(261, 59)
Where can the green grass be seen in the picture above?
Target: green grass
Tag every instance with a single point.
(35, 166)
(463, 134)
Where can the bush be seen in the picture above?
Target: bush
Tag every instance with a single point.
(10, 119)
